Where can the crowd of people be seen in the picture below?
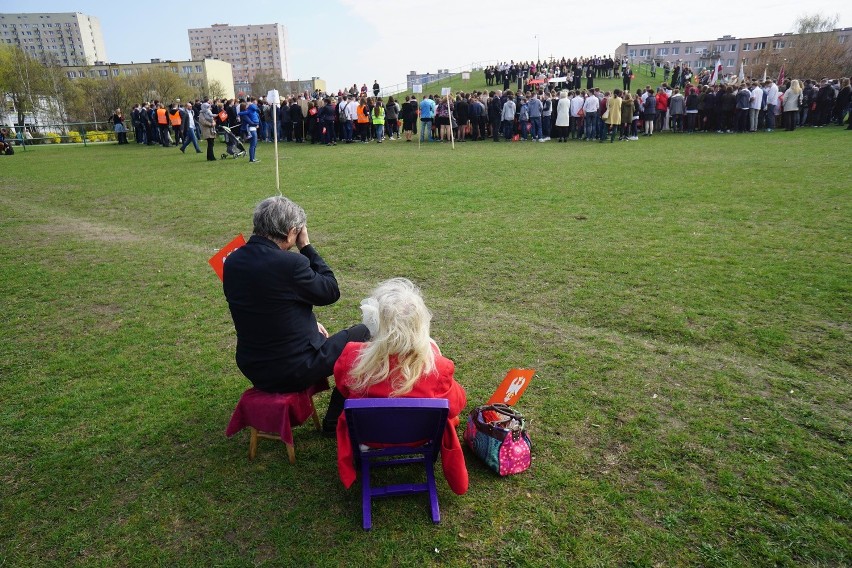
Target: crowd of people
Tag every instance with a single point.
(549, 102)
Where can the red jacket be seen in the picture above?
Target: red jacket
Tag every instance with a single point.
(662, 102)
(438, 384)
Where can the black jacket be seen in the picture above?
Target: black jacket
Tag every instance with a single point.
(271, 294)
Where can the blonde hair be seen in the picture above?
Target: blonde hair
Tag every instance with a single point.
(795, 87)
(403, 332)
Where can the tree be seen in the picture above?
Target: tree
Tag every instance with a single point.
(814, 52)
(22, 79)
(159, 84)
(265, 82)
(213, 89)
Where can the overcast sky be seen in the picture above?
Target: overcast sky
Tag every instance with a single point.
(357, 41)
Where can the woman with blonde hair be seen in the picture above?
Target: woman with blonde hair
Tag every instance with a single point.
(792, 98)
(400, 360)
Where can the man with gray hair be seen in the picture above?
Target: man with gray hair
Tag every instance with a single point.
(271, 293)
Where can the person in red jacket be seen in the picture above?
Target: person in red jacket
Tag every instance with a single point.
(401, 360)
(662, 109)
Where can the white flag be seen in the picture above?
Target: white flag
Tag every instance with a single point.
(741, 76)
(717, 72)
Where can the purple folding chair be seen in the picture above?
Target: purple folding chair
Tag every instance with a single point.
(401, 422)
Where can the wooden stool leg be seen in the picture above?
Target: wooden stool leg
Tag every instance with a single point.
(291, 453)
(252, 443)
(315, 416)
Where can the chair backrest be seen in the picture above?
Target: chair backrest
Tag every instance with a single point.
(396, 420)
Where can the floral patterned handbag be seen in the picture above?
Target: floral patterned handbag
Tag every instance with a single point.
(497, 434)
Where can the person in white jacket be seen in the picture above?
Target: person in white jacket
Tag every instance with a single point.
(755, 106)
(563, 117)
(771, 91)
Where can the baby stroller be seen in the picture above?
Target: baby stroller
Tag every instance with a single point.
(235, 148)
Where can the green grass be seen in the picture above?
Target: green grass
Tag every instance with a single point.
(685, 301)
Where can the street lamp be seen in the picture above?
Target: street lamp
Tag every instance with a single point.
(537, 48)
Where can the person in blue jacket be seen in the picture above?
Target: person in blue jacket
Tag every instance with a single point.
(251, 118)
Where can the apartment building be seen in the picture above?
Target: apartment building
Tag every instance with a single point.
(752, 51)
(197, 73)
(251, 50)
(64, 38)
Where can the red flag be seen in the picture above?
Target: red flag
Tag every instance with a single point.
(780, 80)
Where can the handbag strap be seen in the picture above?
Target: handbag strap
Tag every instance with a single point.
(496, 429)
(503, 409)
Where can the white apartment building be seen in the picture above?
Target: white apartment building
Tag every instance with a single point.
(66, 38)
(249, 49)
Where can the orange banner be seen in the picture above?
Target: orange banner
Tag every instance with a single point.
(512, 387)
(217, 261)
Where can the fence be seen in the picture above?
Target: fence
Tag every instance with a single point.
(84, 133)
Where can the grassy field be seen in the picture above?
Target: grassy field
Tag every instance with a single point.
(685, 301)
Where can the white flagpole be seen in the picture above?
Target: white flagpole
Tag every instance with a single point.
(450, 112)
(275, 140)
(274, 96)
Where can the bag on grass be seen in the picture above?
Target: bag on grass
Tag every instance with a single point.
(498, 435)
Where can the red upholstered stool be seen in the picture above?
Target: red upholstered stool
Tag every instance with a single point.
(272, 416)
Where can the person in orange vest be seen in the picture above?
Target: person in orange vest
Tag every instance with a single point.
(363, 120)
(175, 122)
(163, 125)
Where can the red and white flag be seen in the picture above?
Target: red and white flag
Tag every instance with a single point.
(717, 72)
(781, 76)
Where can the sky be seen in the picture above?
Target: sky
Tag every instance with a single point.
(358, 41)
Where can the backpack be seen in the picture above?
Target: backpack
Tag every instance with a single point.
(525, 112)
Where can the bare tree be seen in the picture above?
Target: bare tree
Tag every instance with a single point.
(213, 89)
(160, 84)
(264, 82)
(815, 51)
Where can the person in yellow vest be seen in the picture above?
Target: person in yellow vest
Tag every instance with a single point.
(378, 118)
(163, 125)
(175, 122)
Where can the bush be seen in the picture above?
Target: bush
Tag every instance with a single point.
(52, 138)
(74, 136)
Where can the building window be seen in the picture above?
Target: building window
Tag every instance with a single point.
(198, 69)
(759, 45)
(102, 72)
(72, 74)
(730, 62)
(675, 50)
(733, 47)
(115, 72)
(688, 50)
(746, 46)
(841, 39)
